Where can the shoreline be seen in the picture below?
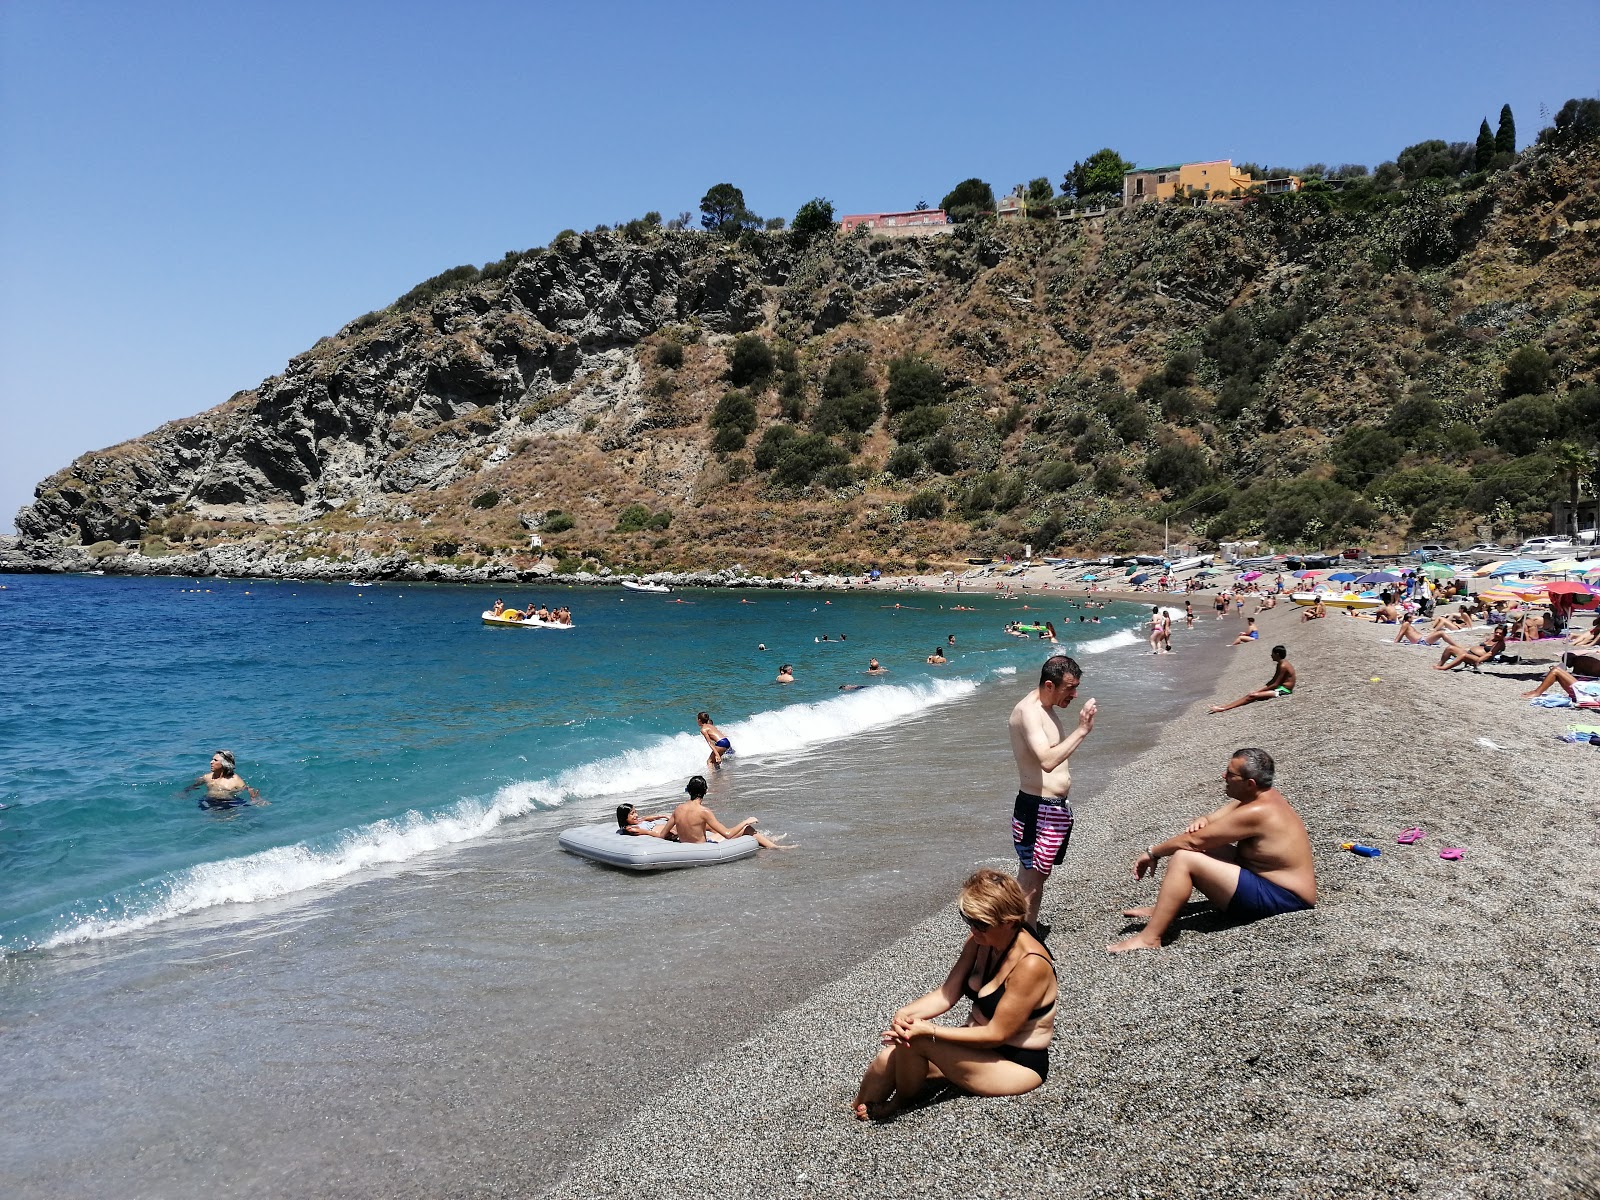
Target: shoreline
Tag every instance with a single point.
(1429, 1029)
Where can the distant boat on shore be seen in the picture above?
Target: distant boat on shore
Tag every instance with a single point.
(645, 587)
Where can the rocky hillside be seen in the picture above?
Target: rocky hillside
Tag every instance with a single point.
(648, 401)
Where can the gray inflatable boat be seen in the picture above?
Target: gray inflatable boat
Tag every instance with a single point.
(609, 845)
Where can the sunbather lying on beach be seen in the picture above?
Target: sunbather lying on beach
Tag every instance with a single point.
(1454, 656)
(1004, 1048)
(1281, 684)
(1251, 857)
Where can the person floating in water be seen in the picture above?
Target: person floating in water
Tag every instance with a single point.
(786, 674)
(937, 658)
(721, 747)
(224, 788)
(875, 668)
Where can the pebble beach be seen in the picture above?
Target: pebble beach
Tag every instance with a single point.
(1428, 1030)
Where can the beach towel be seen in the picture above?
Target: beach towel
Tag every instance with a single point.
(1588, 697)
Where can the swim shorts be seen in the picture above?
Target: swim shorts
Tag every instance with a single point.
(1040, 831)
(1284, 691)
(1256, 897)
(724, 744)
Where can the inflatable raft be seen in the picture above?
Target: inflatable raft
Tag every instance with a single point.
(645, 587)
(1348, 600)
(609, 845)
(489, 618)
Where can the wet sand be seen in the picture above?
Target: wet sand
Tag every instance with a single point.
(1430, 1029)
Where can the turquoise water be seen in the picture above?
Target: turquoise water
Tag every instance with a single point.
(386, 724)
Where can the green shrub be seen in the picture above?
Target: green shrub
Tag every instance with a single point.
(840, 475)
(1178, 468)
(659, 521)
(773, 444)
(556, 521)
(1364, 453)
(452, 280)
(919, 423)
(847, 374)
(486, 499)
(855, 412)
(1520, 426)
(904, 462)
(1527, 373)
(913, 382)
(750, 361)
(925, 506)
(804, 459)
(728, 439)
(569, 564)
(1055, 476)
(633, 518)
(941, 455)
(669, 354)
(735, 411)
(814, 217)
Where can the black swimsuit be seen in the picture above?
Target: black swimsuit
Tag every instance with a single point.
(1038, 1060)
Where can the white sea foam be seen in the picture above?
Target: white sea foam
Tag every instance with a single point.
(285, 870)
(1124, 637)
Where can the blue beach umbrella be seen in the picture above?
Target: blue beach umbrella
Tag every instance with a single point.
(1517, 566)
(1341, 577)
(1140, 578)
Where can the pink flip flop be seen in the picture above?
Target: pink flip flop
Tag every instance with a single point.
(1410, 836)
(1451, 854)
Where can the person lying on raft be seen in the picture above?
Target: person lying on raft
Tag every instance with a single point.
(1456, 657)
(1281, 683)
(1251, 857)
(629, 821)
(1004, 1049)
(693, 823)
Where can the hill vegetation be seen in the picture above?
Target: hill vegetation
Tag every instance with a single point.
(1407, 353)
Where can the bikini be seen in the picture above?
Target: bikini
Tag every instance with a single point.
(1036, 1060)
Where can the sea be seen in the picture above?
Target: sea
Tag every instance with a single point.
(389, 979)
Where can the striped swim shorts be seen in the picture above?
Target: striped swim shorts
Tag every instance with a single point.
(1040, 831)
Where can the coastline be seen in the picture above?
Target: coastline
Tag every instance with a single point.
(1428, 1030)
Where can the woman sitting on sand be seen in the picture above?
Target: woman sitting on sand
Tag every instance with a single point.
(1004, 1049)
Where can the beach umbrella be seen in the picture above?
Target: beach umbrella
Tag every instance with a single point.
(1489, 568)
(1306, 574)
(1517, 566)
(1593, 568)
(1378, 577)
(1567, 588)
(1562, 566)
(1249, 575)
(1140, 578)
(1496, 594)
(1438, 571)
(1341, 577)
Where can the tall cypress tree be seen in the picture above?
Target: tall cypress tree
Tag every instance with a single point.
(1505, 141)
(1485, 152)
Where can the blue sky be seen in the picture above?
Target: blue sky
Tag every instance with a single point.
(190, 194)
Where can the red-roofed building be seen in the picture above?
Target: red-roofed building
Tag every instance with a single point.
(918, 221)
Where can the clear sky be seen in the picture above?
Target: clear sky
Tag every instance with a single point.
(192, 193)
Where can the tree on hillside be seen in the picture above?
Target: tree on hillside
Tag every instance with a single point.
(1096, 175)
(722, 210)
(1485, 149)
(1578, 121)
(814, 217)
(967, 199)
(1505, 138)
(1434, 159)
(1040, 192)
(1527, 372)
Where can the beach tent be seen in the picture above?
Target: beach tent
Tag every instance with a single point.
(1517, 566)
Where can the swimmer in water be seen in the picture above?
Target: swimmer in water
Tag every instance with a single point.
(786, 674)
(873, 668)
(721, 747)
(225, 789)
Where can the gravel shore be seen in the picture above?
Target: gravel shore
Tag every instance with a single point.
(1430, 1029)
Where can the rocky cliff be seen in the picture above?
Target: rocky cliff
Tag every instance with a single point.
(1074, 382)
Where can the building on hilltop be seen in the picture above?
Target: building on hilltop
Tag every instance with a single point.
(920, 222)
(1205, 182)
(1012, 207)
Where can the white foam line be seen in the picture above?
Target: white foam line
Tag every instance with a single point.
(1125, 637)
(285, 870)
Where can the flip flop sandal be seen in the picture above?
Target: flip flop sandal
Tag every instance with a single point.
(1410, 836)
(1451, 854)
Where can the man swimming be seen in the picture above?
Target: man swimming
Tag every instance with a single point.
(1251, 858)
(721, 747)
(1041, 818)
(225, 789)
(873, 668)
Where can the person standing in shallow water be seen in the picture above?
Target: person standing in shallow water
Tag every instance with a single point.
(1041, 819)
(224, 788)
(721, 747)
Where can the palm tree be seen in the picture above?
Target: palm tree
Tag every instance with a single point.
(1575, 462)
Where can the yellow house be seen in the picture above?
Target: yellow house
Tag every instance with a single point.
(1208, 181)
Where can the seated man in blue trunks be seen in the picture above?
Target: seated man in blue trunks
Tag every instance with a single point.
(1251, 857)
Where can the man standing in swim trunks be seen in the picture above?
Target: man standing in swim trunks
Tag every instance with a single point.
(1251, 858)
(1041, 820)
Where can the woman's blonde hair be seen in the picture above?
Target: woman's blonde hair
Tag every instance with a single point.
(991, 897)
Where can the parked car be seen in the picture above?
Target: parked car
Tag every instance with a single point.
(1586, 536)
(1485, 548)
(1431, 550)
(1354, 553)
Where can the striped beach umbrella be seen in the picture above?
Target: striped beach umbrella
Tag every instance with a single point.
(1561, 566)
(1489, 568)
(1517, 566)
